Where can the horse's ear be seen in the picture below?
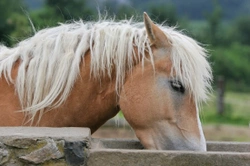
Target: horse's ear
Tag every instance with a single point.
(155, 34)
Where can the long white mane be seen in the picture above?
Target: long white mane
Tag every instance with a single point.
(49, 61)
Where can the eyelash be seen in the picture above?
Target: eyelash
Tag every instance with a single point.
(177, 86)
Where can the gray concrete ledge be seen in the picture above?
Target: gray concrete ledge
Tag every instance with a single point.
(118, 157)
(21, 146)
(229, 147)
(135, 144)
(123, 152)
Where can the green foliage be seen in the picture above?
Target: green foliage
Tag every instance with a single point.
(242, 30)
(162, 13)
(8, 9)
(73, 9)
(56, 11)
(236, 110)
(232, 63)
(228, 44)
(214, 21)
(125, 12)
(21, 28)
(196, 9)
(45, 17)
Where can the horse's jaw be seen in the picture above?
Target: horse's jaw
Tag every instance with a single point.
(171, 137)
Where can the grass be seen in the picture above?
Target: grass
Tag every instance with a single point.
(236, 112)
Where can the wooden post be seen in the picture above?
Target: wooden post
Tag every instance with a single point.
(220, 95)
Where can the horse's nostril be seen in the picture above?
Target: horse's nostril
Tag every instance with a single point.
(171, 120)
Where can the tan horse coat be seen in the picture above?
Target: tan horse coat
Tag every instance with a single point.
(157, 80)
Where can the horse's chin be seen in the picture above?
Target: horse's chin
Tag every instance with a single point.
(172, 139)
(177, 145)
(184, 145)
(184, 140)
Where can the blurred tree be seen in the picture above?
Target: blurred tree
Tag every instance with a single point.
(214, 21)
(22, 28)
(162, 13)
(73, 9)
(9, 9)
(125, 12)
(45, 17)
(55, 11)
(110, 6)
(243, 30)
(233, 64)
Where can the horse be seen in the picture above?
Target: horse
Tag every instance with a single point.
(80, 74)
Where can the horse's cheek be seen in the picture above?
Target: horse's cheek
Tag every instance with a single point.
(130, 104)
(141, 102)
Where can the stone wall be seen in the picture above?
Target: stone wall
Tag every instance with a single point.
(21, 146)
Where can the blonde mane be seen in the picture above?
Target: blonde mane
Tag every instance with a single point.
(49, 61)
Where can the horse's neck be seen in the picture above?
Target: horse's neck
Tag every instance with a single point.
(91, 102)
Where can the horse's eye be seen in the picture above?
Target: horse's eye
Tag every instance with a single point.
(177, 86)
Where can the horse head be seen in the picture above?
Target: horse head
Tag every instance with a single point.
(158, 101)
